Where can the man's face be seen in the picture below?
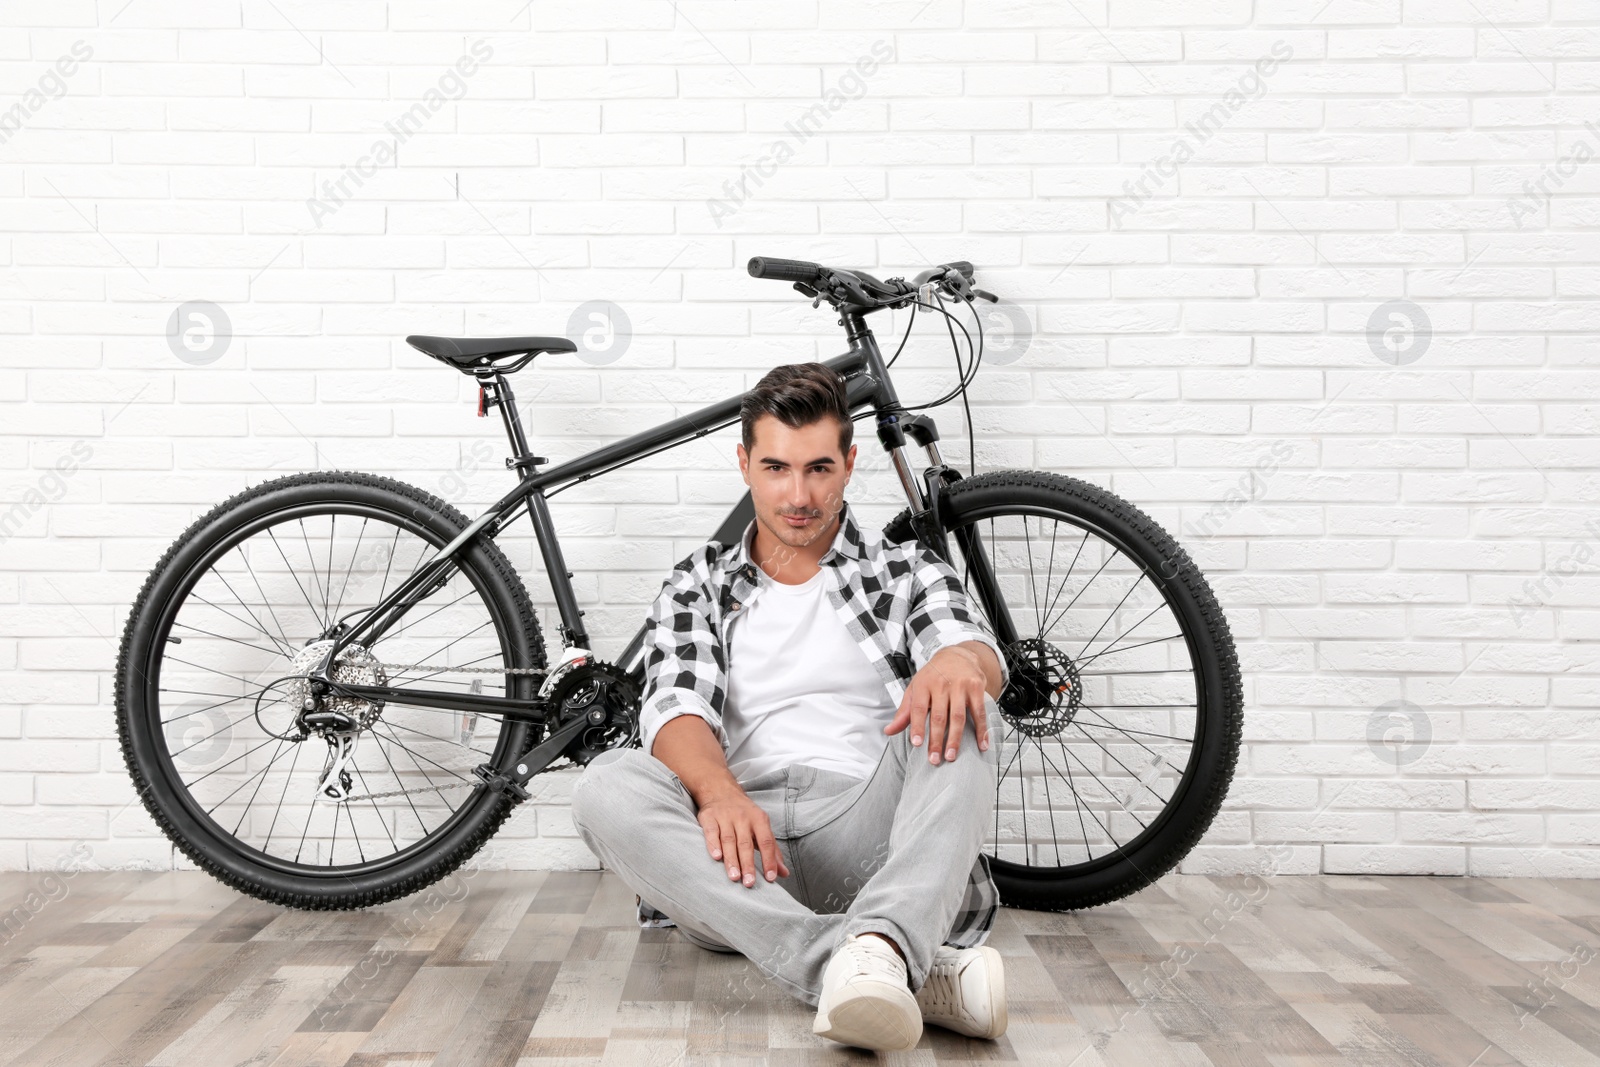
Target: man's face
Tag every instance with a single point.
(796, 478)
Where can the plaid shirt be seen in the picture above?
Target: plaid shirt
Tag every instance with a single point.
(901, 604)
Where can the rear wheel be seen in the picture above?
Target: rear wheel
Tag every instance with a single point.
(1124, 709)
(210, 688)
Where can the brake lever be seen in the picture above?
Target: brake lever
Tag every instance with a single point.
(852, 286)
(986, 296)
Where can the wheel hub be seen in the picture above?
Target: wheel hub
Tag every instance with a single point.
(355, 666)
(1045, 691)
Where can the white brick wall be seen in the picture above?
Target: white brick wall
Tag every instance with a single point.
(1421, 533)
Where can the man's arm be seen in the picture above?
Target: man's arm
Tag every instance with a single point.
(958, 662)
(684, 668)
(681, 722)
(941, 617)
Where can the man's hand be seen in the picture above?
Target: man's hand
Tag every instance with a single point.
(734, 825)
(736, 828)
(943, 694)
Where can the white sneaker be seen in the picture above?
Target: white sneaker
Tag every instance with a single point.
(866, 998)
(965, 991)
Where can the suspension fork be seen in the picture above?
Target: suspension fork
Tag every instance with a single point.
(930, 522)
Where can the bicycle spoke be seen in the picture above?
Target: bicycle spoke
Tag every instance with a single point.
(231, 762)
(1065, 579)
(311, 558)
(447, 670)
(207, 737)
(311, 809)
(213, 670)
(292, 765)
(433, 737)
(1100, 707)
(401, 783)
(1113, 614)
(316, 583)
(1049, 568)
(1113, 756)
(1050, 807)
(333, 842)
(259, 774)
(327, 592)
(355, 835)
(255, 622)
(1027, 548)
(1098, 780)
(224, 637)
(1078, 803)
(456, 641)
(384, 586)
(396, 633)
(1125, 633)
(311, 607)
(1129, 648)
(252, 800)
(1049, 625)
(1129, 730)
(408, 751)
(355, 553)
(381, 821)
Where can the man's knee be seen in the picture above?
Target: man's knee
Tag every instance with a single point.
(618, 782)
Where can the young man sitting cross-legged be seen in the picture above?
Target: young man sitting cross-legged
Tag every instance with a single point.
(819, 708)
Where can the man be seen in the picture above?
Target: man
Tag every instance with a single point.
(779, 691)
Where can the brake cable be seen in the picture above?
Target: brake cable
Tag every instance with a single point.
(964, 377)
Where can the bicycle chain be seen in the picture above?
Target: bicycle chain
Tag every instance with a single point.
(441, 668)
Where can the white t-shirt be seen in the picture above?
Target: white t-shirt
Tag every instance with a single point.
(800, 690)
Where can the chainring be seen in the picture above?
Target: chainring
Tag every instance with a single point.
(597, 689)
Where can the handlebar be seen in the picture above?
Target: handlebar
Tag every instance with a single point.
(960, 266)
(786, 270)
(860, 290)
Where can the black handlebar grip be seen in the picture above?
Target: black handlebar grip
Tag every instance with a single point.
(962, 266)
(784, 270)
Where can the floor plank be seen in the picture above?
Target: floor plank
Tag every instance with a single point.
(549, 968)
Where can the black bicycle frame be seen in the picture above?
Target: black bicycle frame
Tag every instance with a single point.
(867, 385)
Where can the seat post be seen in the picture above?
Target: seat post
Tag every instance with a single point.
(499, 385)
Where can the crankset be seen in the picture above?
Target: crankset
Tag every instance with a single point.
(605, 697)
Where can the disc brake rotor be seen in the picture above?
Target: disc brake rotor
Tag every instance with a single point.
(1045, 691)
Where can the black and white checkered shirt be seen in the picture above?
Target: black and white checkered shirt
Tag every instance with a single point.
(901, 603)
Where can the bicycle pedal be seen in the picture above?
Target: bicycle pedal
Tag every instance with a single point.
(499, 783)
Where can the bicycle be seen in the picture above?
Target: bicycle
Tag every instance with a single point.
(425, 751)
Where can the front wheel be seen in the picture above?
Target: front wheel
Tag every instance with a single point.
(1124, 708)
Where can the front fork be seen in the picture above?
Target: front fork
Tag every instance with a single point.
(927, 520)
(929, 516)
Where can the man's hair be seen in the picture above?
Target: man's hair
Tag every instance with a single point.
(798, 394)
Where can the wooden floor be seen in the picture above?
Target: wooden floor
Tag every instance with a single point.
(549, 969)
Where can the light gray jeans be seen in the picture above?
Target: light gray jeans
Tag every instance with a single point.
(892, 853)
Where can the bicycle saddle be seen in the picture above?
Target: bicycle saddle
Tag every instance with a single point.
(468, 353)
